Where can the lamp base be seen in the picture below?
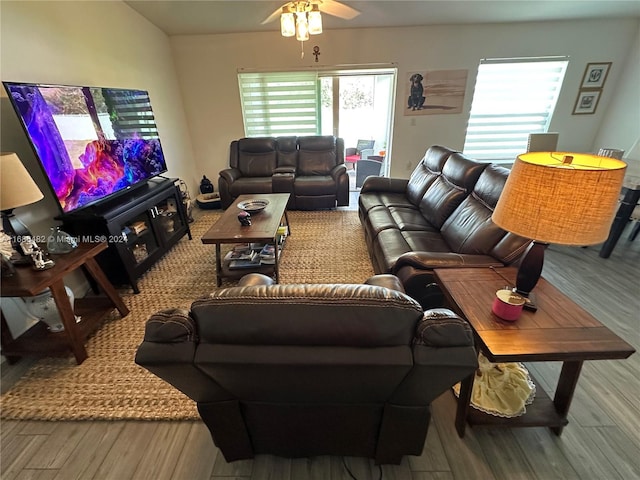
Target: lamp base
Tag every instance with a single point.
(529, 274)
(529, 300)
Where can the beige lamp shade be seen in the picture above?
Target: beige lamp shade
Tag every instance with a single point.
(17, 188)
(559, 197)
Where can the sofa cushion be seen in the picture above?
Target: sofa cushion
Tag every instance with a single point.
(250, 185)
(366, 201)
(426, 172)
(314, 185)
(257, 156)
(317, 155)
(448, 190)
(469, 229)
(287, 148)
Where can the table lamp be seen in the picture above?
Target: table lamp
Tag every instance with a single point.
(17, 189)
(557, 197)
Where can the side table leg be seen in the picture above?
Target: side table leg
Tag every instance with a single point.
(102, 280)
(464, 402)
(565, 389)
(68, 320)
(218, 265)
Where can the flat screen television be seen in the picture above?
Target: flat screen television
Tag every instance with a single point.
(92, 142)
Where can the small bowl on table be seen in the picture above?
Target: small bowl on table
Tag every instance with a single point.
(253, 205)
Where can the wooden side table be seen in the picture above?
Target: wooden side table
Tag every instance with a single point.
(559, 330)
(27, 282)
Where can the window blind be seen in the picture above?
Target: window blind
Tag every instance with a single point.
(280, 103)
(512, 98)
(130, 113)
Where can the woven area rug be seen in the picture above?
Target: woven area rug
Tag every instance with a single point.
(324, 247)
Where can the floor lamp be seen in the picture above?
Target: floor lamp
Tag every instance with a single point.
(557, 197)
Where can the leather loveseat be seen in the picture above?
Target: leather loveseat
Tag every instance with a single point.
(303, 370)
(310, 168)
(440, 217)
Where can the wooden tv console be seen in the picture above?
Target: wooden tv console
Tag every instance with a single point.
(139, 226)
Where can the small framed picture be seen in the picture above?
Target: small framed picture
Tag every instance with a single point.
(587, 102)
(595, 75)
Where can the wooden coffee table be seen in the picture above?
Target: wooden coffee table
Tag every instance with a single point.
(264, 228)
(559, 330)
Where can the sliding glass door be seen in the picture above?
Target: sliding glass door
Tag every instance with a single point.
(354, 104)
(357, 105)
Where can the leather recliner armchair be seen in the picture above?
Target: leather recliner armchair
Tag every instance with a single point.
(304, 370)
(310, 168)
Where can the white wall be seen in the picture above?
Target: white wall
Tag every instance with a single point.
(621, 125)
(207, 69)
(104, 44)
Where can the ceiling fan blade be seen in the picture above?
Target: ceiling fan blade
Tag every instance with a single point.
(274, 16)
(337, 9)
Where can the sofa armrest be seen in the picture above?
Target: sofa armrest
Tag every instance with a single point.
(385, 280)
(170, 326)
(230, 174)
(440, 327)
(340, 169)
(384, 184)
(168, 351)
(443, 354)
(433, 260)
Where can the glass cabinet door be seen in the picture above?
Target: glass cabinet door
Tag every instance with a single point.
(167, 219)
(139, 237)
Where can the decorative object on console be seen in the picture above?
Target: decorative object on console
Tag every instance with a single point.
(60, 241)
(245, 219)
(508, 305)
(17, 189)
(31, 248)
(557, 197)
(253, 206)
(205, 185)
(6, 252)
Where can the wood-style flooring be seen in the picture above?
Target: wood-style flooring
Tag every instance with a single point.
(602, 440)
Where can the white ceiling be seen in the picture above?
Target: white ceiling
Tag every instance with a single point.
(189, 17)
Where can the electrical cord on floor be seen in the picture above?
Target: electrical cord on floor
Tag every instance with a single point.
(344, 462)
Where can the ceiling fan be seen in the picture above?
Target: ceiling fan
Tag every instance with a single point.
(330, 7)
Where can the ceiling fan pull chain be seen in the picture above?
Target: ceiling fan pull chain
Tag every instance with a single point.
(301, 50)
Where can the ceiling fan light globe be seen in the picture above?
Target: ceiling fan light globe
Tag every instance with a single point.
(302, 27)
(287, 24)
(315, 21)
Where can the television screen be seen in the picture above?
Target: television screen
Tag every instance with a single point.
(92, 142)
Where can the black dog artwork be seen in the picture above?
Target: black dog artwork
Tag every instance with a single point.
(416, 98)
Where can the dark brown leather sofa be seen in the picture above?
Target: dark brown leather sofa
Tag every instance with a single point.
(310, 168)
(440, 217)
(303, 370)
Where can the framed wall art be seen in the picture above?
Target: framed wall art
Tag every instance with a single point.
(595, 75)
(431, 92)
(587, 102)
